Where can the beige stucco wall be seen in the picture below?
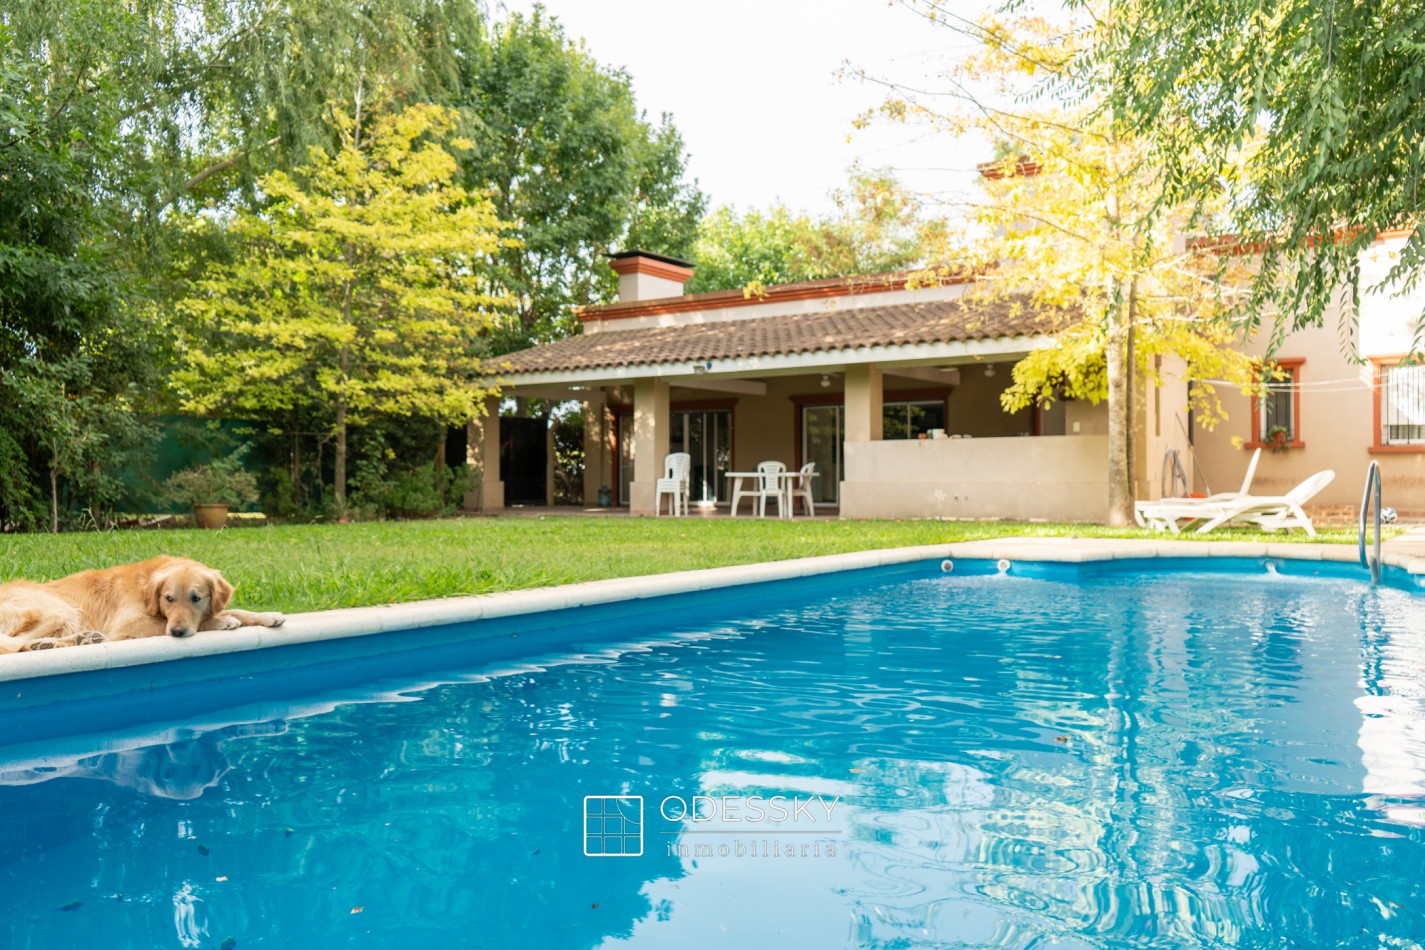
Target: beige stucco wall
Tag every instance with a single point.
(1162, 424)
(1056, 478)
(975, 407)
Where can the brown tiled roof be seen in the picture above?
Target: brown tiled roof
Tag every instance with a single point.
(943, 321)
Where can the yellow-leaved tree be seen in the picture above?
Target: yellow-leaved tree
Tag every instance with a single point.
(359, 289)
(1074, 218)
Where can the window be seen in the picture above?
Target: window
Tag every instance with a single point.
(909, 420)
(1400, 404)
(1276, 411)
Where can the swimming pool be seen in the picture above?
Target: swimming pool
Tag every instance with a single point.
(1228, 754)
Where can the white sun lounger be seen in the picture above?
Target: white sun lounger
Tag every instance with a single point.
(1273, 514)
(1172, 514)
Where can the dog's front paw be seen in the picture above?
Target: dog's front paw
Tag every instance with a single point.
(227, 623)
(90, 636)
(273, 620)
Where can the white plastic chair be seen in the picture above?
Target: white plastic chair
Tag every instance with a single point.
(801, 488)
(674, 484)
(769, 485)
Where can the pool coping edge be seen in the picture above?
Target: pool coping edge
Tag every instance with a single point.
(366, 621)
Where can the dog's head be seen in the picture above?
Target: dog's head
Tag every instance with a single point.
(186, 593)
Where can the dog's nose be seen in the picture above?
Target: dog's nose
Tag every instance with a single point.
(179, 631)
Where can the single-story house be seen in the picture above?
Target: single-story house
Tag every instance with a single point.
(848, 374)
(893, 392)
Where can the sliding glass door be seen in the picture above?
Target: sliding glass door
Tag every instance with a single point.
(823, 435)
(706, 435)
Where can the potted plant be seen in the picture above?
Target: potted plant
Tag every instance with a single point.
(1276, 439)
(211, 488)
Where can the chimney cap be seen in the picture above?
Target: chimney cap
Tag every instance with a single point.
(664, 258)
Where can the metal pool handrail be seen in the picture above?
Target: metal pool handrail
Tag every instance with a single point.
(1369, 496)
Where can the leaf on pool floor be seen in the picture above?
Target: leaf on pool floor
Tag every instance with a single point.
(357, 910)
(73, 905)
(221, 879)
(228, 943)
(204, 850)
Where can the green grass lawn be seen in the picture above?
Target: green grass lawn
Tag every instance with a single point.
(311, 567)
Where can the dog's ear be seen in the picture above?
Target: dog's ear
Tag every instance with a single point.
(222, 592)
(152, 586)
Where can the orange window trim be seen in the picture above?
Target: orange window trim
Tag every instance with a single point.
(1379, 364)
(1292, 366)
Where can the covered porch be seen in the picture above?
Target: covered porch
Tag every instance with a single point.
(901, 419)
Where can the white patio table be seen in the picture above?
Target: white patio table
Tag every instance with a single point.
(785, 481)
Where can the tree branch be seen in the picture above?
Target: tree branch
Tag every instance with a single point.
(233, 160)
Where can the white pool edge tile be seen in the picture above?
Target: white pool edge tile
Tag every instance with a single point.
(324, 625)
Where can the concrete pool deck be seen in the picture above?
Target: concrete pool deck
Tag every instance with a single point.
(1406, 552)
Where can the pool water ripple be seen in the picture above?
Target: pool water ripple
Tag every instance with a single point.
(1134, 761)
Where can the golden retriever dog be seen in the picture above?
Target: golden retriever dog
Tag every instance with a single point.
(163, 595)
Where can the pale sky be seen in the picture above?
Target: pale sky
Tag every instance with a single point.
(753, 86)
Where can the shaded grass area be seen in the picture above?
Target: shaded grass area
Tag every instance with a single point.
(312, 567)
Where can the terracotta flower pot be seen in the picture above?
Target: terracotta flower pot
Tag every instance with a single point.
(211, 517)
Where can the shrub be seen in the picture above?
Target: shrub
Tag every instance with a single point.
(222, 481)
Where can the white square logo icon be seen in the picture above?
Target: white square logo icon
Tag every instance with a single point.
(613, 826)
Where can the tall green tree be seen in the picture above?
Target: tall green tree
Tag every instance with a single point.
(569, 159)
(1323, 102)
(77, 339)
(878, 226)
(1078, 221)
(356, 292)
(84, 434)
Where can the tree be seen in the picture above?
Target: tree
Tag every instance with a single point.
(1077, 222)
(1321, 105)
(878, 227)
(84, 433)
(355, 291)
(78, 343)
(571, 161)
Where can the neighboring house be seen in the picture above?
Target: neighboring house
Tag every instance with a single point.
(857, 375)
(1339, 411)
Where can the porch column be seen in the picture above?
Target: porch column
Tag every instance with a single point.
(863, 403)
(650, 443)
(482, 451)
(596, 447)
(549, 462)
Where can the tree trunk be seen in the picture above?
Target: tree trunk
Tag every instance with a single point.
(54, 500)
(344, 365)
(1120, 313)
(339, 462)
(1131, 387)
(440, 464)
(296, 471)
(1120, 489)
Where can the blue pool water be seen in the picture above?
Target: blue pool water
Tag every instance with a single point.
(965, 760)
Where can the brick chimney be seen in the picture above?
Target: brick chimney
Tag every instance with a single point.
(1018, 166)
(645, 276)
